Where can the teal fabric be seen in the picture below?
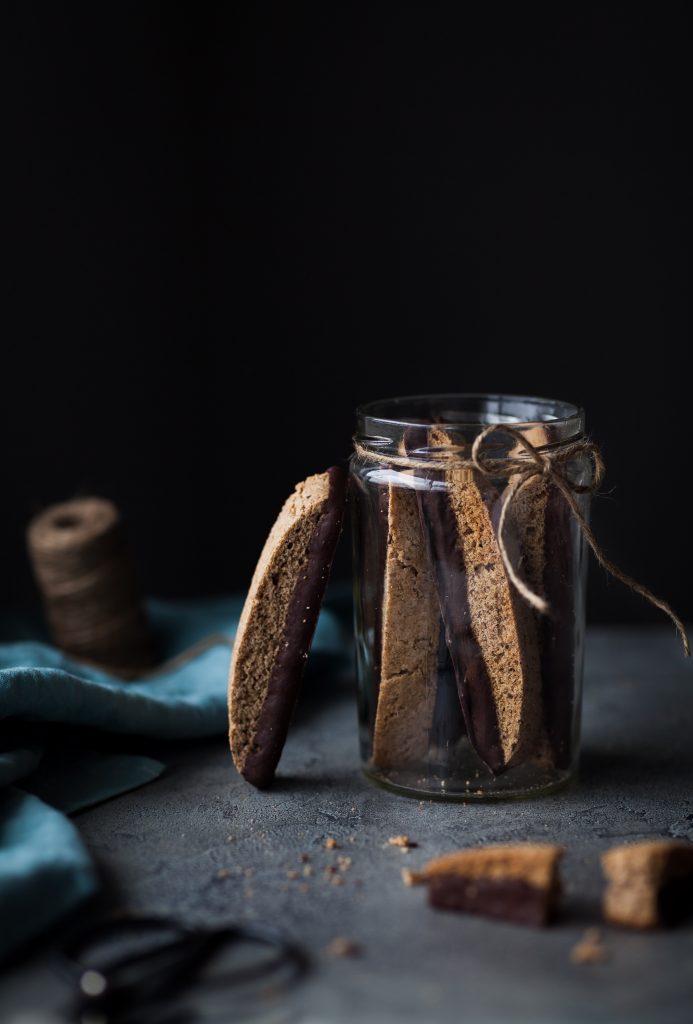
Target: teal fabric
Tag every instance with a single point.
(45, 870)
(40, 683)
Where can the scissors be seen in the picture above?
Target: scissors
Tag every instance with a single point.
(156, 970)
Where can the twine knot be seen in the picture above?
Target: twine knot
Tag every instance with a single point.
(526, 465)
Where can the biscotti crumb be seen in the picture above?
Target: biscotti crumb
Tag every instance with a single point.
(223, 872)
(330, 843)
(590, 949)
(404, 842)
(344, 863)
(292, 874)
(307, 871)
(410, 877)
(337, 880)
(341, 946)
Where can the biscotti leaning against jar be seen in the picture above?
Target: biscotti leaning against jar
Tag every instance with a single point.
(470, 520)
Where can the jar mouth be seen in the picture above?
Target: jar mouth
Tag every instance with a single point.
(543, 421)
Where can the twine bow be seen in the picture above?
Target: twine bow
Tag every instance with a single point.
(554, 466)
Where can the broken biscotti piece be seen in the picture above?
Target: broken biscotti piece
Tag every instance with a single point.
(490, 632)
(278, 621)
(409, 631)
(515, 883)
(650, 884)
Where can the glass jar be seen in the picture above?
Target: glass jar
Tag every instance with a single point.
(465, 689)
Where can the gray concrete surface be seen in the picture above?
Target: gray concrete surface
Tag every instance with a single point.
(181, 845)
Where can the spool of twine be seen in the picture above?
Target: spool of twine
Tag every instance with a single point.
(85, 572)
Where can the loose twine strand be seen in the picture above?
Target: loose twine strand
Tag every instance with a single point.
(554, 466)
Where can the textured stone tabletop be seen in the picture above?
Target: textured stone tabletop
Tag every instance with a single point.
(202, 844)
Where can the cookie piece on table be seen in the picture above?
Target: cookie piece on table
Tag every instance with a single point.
(650, 884)
(490, 632)
(409, 631)
(518, 883)
(278, 621)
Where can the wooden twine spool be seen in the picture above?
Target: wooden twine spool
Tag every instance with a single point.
(86, 576)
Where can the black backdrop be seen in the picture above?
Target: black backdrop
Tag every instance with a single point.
(226, 224)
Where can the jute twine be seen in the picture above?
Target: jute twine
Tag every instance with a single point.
(520, 468)
(85, 572)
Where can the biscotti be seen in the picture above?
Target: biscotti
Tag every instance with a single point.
(540, 522)
(409, 632)
(650, 884)
(491, 634)
(519, 883)
(278, 621)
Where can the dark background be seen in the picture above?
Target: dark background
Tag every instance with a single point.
(227, 224)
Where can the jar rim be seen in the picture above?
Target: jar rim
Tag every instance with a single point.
(544, 421)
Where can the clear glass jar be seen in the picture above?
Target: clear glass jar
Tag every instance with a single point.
(466, 691)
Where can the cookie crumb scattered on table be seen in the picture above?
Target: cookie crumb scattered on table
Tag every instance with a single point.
(341, 946)
(330, 843)
(590, 949)
(404, 842)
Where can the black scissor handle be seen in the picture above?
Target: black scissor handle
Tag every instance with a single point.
(116, 983)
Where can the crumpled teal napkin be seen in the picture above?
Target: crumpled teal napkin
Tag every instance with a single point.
(45, 869)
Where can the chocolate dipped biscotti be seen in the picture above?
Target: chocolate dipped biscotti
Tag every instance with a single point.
(278, 621)
(490, 633)
(518, 883)
(408, 635)
(650, 884)
(540, 520)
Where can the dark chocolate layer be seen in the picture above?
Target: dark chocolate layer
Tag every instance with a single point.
(447, 725)
(301, 620)
(509, 899)
(557, 631)
(675, 901)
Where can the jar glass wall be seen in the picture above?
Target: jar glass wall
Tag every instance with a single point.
(466, 691)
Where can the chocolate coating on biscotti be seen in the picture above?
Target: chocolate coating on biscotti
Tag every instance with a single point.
(508, 899)
(278, 622)
(557, 638)
(514, 882)
(473, 682)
